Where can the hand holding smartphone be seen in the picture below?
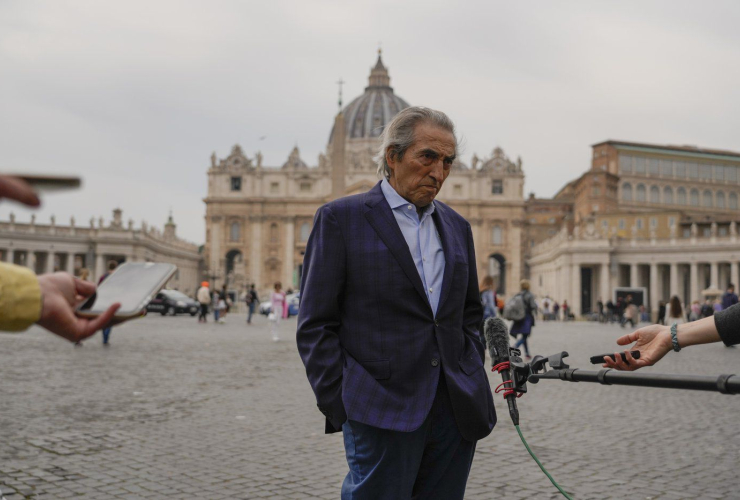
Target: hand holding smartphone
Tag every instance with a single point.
(132, 284)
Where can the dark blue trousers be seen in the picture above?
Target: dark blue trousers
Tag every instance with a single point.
(431, 462)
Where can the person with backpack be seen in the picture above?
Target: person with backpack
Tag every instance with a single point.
(520, 309)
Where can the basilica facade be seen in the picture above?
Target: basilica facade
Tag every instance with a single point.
(259, 217)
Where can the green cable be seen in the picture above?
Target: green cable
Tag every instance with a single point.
(561, 490)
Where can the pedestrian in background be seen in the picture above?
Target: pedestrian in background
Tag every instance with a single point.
(204, 298)
(252, 301)
(112, 265)
(222, 307)
(695, 311)
(556, 310)
(661, 313)
(488, 299)
(707, 309)
(566, 311)
(610, 311)
(214, 303)
(524, 326)
(717, 305)
(674, 312)
(278, 310)
(225, 297)
(729, 298)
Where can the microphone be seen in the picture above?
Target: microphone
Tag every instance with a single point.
(497, 338)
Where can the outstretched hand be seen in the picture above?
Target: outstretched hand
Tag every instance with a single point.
(652, 341)
(61, 293)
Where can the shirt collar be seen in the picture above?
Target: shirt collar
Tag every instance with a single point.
(395, 200)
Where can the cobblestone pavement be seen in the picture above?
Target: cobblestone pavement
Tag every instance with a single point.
(176, 409)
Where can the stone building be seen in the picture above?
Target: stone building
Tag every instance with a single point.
(50, 247)
(663, 218)
(258, 217)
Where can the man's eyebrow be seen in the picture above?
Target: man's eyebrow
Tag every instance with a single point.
(451, 158)
(429, 151)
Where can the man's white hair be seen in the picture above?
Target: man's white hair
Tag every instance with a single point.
(398, 135)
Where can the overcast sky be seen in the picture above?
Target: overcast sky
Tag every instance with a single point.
(134, 96)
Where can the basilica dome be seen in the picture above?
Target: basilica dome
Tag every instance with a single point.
(366, 116)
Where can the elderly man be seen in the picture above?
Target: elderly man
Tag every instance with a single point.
(388, 324)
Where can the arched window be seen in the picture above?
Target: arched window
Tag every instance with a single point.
(305, 231)
(707, 198)
(235, 233)
(681, 196)
(627, 191)
(694, 197)
(668, 195)
(654, 194)
(720, 199)
(641, 193)
(733, 201)
(497, 235)
(273, 233)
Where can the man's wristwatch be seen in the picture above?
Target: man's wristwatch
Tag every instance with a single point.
(674, 337)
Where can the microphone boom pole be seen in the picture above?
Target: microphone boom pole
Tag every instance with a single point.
(725, 384)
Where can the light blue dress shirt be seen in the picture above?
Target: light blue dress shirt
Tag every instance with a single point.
(423, 240)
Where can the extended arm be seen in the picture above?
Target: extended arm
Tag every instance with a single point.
(319, 316)
(654, 341)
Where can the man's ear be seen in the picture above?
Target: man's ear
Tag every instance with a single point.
(390, 158)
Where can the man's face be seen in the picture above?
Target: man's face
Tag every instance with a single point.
(419, 176)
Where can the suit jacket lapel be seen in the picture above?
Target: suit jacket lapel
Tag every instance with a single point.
(449, 243)
(380, 216)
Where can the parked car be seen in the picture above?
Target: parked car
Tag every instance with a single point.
(294, 302)
(172, 302)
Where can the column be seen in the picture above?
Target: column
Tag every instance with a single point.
(71, 262)
(50, 256)
(634, 276)
(654, 299)
(575, 287)
(734, 278)
(714, 275)
(11, 255)
(31, 260)
(604, 288)
(215, 256)
(99, 266)
(257, 252)
(674, 279)
(289, 253)
(694, 282)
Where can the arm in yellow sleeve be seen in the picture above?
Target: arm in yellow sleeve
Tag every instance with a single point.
(20, 298)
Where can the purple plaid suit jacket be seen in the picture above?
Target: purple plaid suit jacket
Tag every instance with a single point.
(372, 348)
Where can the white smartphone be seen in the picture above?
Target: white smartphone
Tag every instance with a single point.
(133, 284)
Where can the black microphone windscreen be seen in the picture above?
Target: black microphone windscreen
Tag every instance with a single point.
(497, 339)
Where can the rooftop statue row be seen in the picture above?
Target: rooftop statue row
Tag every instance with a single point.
(363, 160)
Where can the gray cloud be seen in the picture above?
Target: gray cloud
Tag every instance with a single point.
(134, 96)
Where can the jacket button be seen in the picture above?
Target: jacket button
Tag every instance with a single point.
(436, 323)
(435, 362)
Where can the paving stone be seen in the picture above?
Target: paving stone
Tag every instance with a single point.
(155, 416)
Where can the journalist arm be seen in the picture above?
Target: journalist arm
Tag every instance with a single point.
(654, 341)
